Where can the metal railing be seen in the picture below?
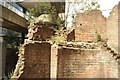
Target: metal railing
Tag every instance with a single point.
(12, 8)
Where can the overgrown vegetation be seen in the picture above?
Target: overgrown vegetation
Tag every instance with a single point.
(11, 38)
(98, 38)
(97, 35)
(45, 8)
(61, 36)
(40, 8)
(8, 77)
(58, 39)
(48, 10)
(91, 5)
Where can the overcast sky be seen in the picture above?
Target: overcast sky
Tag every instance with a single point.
(106, 5)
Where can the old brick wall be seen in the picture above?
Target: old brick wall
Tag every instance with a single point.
(37, 60)
(43, 60)
(71, 36)
(89, 22)
(112, 29)
(86, 63)
(84, 34)
(39, 32)
(46, 60)
(44, 32)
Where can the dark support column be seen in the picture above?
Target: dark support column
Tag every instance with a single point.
(22, 38)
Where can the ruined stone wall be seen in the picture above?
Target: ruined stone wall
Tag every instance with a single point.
(88, 23)
(92, 21)
(39, 32)
(112, 29)
(86, 63)
(71, 36)
(37, 60)
(45, 60)
(83, 35)
(71, 60)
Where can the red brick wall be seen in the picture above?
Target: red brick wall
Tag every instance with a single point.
(76, 63)
(71, 36)
(43, 32)
(85, 34)
(37, 60)
(88, 23)
(79, 35)
(44, 61)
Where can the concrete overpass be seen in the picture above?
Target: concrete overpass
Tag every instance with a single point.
(28, 4)
(13, 21)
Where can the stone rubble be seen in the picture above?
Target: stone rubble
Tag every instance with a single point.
(20, 64)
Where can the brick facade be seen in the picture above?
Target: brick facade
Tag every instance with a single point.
(45, 60)
(37, 60)
(92, 21)
(39, 32)
(89, 23)
(43, 32)
(71, 35)
(86, 63)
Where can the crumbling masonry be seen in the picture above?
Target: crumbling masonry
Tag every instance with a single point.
(83, 58)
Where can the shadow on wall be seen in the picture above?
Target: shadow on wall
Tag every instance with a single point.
(11, 60)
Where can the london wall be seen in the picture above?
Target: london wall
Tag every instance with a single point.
(88, 24)
(86, 63)
(37, 60)
(92, 23)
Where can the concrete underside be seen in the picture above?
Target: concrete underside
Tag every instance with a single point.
(13, 21)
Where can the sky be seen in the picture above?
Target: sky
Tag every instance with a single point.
(106, 7)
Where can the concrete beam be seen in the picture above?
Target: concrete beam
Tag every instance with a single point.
(15, 27)
(58, 5)
(13, 21)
